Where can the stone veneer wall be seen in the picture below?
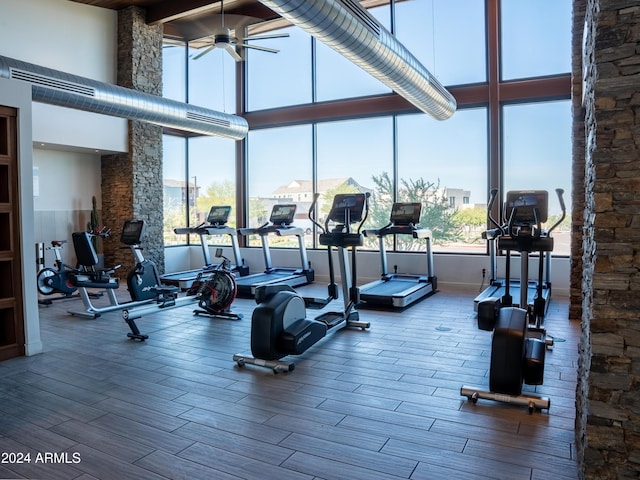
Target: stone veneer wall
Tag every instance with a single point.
(132, 182)
(578, 158)
(607, 402)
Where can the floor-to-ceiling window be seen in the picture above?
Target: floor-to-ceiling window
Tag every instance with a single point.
(535, 152)
(507, 62)
(280, 171)
(535, 38)
(536, 136)
(446, 36)
(283, 78)
(178, 193)
(443, 165)
(199, 172)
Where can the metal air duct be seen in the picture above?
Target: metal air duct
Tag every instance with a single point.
(66, 90)
(349, 29)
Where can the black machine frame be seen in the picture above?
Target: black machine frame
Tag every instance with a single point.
(521, 208)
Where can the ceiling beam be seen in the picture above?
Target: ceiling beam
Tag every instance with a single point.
(169, 10)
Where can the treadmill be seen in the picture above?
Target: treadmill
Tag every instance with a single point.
(394, 289)
(280, 223)
(523, 209)
(216, 224)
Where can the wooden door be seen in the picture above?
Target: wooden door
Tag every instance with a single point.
(11, 312)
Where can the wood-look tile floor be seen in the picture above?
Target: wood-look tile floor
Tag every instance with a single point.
(378, 404)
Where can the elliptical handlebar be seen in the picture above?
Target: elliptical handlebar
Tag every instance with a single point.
(366, 211)
(560, 193)
(514, 231)
(492, 199)
(312, 216)
(342, 210)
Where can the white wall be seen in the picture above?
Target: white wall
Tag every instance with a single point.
(59, 34)
(67, 180)
(73, 38)
(64, 184)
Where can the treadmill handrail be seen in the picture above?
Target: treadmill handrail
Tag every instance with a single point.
(280, 230)
(252, 230)
(218, 230)
(188, 230)
(377, 232)
(391, 229)
(289, 230)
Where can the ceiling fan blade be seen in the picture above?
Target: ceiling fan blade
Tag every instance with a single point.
(233, 53)
(204, 52)
(257, 47)
(265, 37)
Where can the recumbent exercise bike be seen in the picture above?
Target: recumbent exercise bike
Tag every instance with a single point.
(143, 281)
(214, 290)
(279, 326)
(519, 339)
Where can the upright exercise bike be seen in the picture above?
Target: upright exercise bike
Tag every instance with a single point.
(279, 326)
(519, 339)
(56, 280)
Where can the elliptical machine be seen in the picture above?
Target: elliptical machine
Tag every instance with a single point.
(519, 338)
(279, 326)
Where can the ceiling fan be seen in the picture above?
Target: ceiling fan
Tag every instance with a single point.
(225, 40)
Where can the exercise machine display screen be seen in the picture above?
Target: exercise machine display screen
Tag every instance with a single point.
(406, 213)
(347, 207)
(132, 232)
(527, 207)
(218, 215)
(283, 214)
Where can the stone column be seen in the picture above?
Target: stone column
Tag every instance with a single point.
(577, 214)
(578, 159)
(132, 182)
(607, 401)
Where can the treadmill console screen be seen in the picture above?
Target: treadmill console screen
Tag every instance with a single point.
(132, 232)
(347, 208)
(283, 214)
(218, 215)
(523, 203)
(406, 213)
